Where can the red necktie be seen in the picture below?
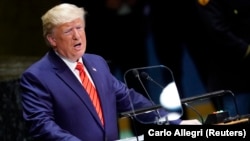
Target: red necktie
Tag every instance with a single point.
(90, 90)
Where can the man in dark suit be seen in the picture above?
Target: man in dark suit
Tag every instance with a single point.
(55, 104)
(220, 49)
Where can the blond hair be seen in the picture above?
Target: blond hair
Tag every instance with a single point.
(60, 14)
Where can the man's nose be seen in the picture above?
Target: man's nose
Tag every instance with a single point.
(76, 34)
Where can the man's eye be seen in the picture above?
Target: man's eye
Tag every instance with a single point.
(68, 31)
(79, 27)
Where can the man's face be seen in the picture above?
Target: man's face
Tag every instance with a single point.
(69, 39)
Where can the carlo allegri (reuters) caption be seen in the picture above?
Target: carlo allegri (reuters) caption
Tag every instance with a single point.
(240, 132)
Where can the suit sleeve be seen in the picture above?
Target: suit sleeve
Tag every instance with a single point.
(37, 111)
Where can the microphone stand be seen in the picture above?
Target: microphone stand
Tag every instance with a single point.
(136, 74)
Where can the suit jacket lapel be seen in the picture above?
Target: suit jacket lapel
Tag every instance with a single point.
(93, 72)
(69, 78)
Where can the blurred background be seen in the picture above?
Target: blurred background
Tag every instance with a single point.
(128, 34)
(21, 45)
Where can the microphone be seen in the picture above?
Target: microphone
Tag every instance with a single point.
(136, 74)
(132, 114)
(214, 94)
(146, 76)
(185, 101)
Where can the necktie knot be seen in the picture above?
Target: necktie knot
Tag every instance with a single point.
(79, 66)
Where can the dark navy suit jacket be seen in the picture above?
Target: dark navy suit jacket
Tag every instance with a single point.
(56, 107)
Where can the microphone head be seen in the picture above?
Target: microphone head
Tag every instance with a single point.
(145, 76)
(135, 73)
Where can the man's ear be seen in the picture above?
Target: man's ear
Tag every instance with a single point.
(51, 40)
